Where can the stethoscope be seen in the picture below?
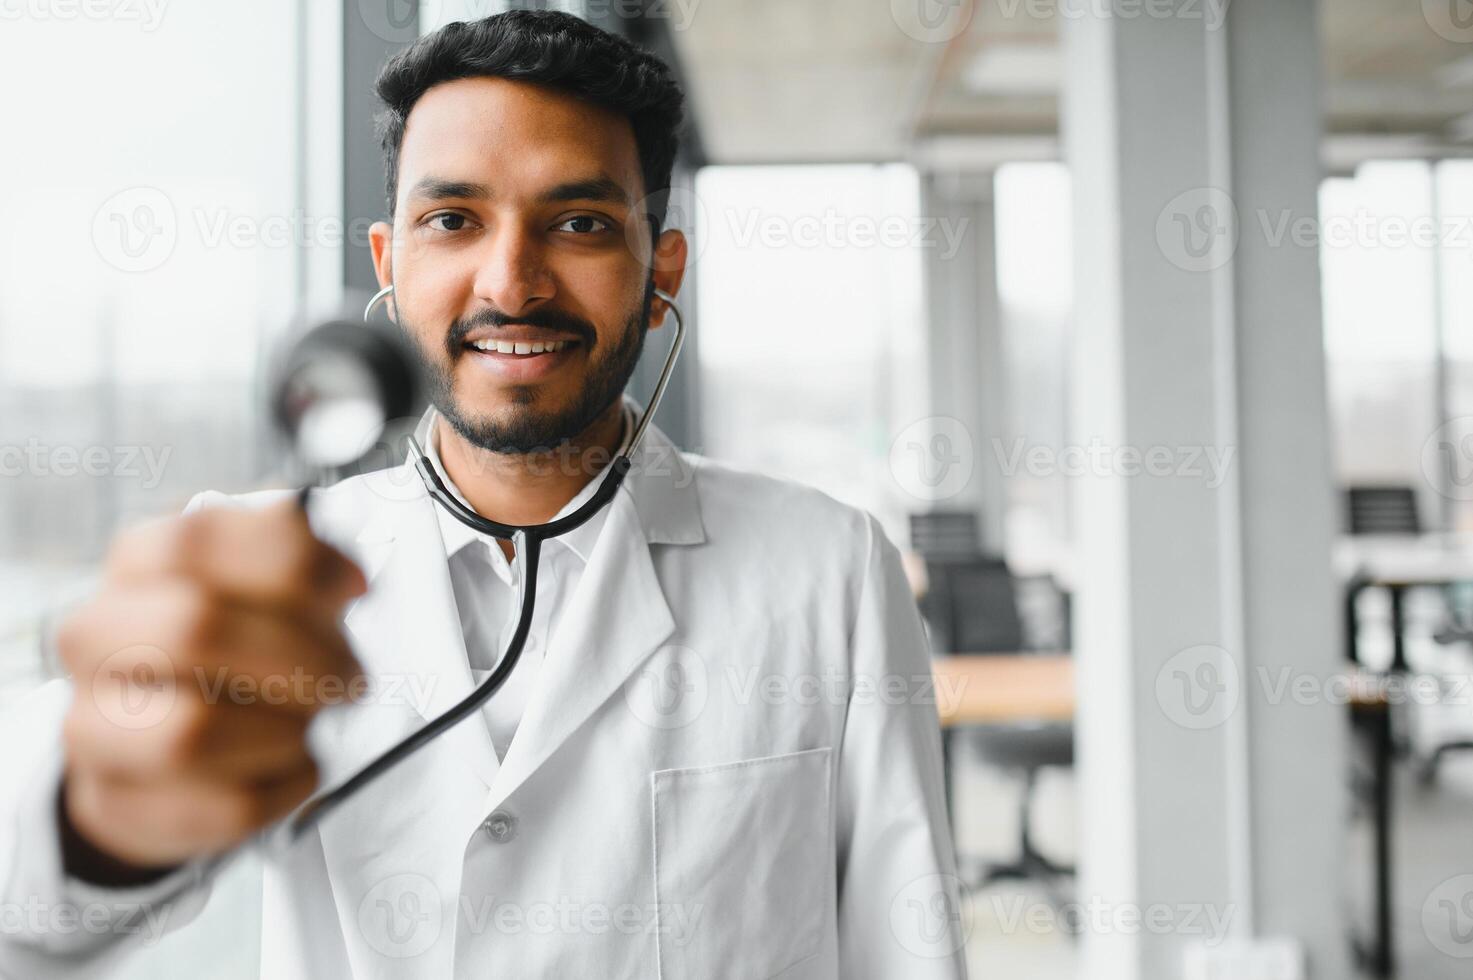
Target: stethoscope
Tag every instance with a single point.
(527, 544)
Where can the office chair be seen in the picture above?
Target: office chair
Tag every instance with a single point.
(1389, 509)
(1392, 509)
(972, 607)
(943, 534)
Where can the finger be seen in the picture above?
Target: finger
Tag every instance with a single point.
(266, 555)
(224, 741)
(173, 637)
(157, 821)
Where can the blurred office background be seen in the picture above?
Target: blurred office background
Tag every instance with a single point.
(1146, 329)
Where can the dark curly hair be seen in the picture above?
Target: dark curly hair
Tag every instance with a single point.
(548, 48)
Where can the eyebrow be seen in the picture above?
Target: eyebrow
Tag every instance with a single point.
(601, 188)
(438, 189)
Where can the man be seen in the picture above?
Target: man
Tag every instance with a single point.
(719, 756)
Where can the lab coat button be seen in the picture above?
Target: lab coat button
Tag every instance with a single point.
(500, 826)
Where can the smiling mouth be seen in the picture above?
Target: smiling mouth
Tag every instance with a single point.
(521, 348)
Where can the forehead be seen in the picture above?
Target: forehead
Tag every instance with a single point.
(515, 137)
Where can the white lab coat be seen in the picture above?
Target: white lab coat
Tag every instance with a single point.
(730, 766)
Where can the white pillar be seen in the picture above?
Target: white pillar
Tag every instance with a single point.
(1195, 590)
(964, 355)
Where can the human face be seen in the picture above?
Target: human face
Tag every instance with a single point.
(520, 218)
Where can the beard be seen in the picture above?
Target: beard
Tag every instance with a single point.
(528, 430)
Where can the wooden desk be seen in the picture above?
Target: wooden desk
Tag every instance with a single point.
(1410, 559)
(1398, 563)
(993, 688)
(999, 688)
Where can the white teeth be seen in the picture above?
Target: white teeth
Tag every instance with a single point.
(520, 347)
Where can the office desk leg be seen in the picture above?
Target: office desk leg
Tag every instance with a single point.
(1398, 628)
(1384, 963)
(1353, 589)
(1380, 959)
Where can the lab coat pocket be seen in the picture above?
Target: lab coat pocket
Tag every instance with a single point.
(743, 868)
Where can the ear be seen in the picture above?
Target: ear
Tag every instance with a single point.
(668, 270)
(380, 240)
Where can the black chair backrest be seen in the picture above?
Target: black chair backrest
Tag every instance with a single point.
(945, 534)
(1381, 510)
(974, 606)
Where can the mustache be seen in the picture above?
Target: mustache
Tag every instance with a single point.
(545, 319)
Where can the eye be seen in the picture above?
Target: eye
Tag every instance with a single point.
(456, 221)
(584, 224)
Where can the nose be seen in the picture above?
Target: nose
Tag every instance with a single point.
(513, 275)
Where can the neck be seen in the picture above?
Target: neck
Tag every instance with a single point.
(529, 488)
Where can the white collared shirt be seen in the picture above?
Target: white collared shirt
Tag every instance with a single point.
(485, 588)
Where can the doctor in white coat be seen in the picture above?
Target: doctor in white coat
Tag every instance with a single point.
(719, 756)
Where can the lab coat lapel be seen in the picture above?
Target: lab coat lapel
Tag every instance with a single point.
(615, 619)
(405, 631)
(408, 630)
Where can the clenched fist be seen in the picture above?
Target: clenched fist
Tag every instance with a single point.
(212, 642)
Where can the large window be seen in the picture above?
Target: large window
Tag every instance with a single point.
(162, 225)
(1397, 280)
(811, 323)
(1035, 292)
(156, 238)
(1396, 256)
